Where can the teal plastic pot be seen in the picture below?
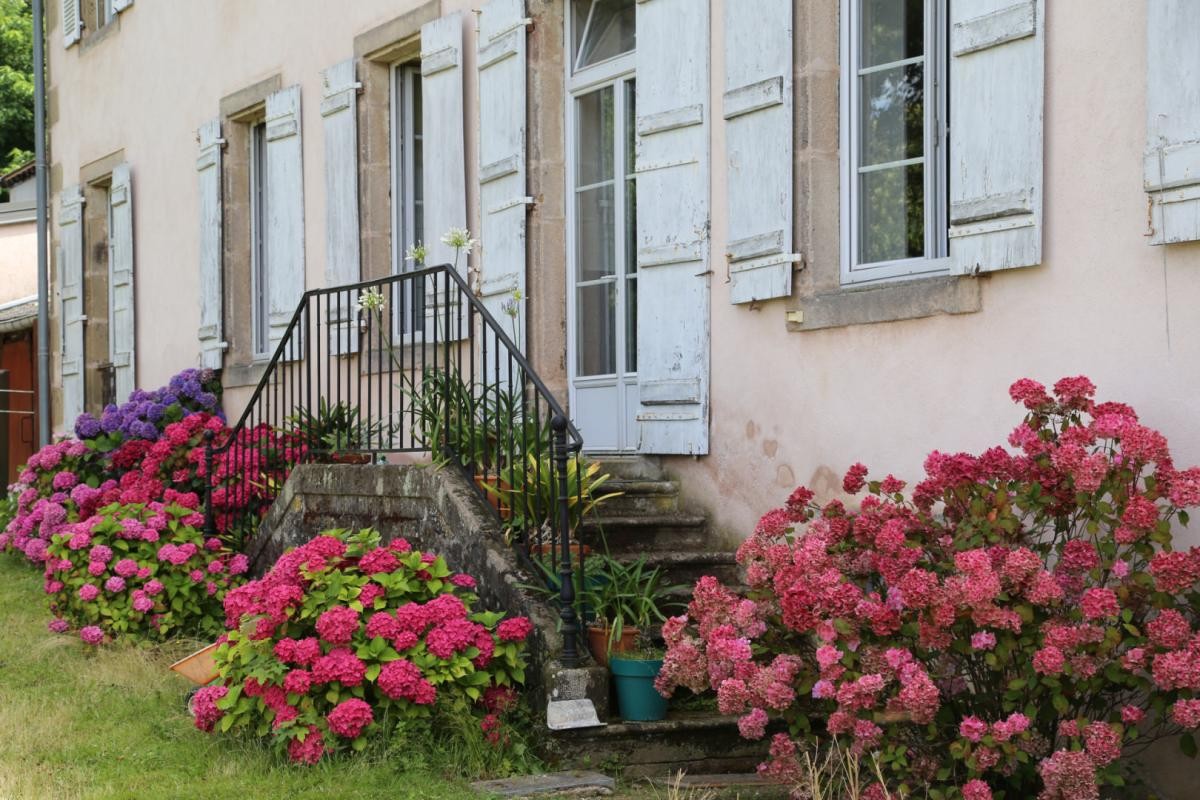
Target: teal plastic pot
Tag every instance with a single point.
(637, 699)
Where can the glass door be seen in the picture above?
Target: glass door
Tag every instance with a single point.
(604, 266)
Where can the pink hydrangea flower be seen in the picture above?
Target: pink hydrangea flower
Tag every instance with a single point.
(402, 679)
(513, 629)
(88, 592)
(91, 634)
(338, 625)
(983, 640)
(350, 717)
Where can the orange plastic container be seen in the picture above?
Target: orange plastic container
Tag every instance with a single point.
(200, 667)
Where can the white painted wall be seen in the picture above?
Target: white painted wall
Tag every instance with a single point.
(792, 408)
(786, 408)
(147, 87)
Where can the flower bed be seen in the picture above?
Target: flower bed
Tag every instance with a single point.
(142, 570)
(344, 637)
(1012, 626)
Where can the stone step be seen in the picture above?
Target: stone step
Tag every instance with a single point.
(643, 532)
(685, 567)
(630, 467)
(636, 496)
(735, 786)
(699, 742)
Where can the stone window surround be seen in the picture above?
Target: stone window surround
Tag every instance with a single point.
(821, 301)
(239, 112)
(95, 178)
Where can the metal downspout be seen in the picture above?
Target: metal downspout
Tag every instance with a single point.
(43, 276)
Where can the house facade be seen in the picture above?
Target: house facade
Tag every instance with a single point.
(18, 317)
(759, 239)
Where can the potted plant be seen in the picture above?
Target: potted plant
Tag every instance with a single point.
(532, 494)
(626, 599)
(633, 675)
(335, 432)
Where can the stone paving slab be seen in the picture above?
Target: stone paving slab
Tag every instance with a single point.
(576, 783)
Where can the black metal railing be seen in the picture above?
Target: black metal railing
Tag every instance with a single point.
(411, 363)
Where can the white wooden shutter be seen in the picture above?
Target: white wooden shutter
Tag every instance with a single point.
(72, 24)
(758, 148)
(445, 182)
(672, 225)
(285, 212)
(1172, 162)
(121, 5)
(70, 264)
(122, 336)
(339, 108)
(997, 79)
(502, 198)
(208, 171)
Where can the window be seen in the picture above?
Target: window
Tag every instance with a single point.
(104, 12)
(894, 154)
(259, 289)
(408, 218)
(603, 29)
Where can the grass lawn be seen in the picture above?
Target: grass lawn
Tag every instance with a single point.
(77, 723)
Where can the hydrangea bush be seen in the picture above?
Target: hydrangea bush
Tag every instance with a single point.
(1006, 630)
(344, 637)
(147, 413)
(141, 570)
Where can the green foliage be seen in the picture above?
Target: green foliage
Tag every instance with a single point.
(531, 492)
(626, 595)
(111, 724)
(335, 428)
(16, 83)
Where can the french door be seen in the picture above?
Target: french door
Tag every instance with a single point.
(602, 341)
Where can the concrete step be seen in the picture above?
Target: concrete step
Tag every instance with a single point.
(698, 742)
(636, 496)
(642, 532)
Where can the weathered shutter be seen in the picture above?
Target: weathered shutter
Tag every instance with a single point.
(444, 185)
(208, 170)
(285, 210)
(121, 5)
(339, 108)
(70, 263)
(997, 79)
(502, 198)
(122, 337)
(72, 23)
(1172, 163)
(672, 225)
(758, 148)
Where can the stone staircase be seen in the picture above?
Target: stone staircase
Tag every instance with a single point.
(648, 519)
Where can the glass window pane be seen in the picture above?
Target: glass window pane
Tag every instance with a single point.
(630, 226)
(892, 214)
(603, 29)
(892, 30)
(596, 334)
(892, 114)
(596, 234)
(631, 324)
(595, 148)
(630, 127)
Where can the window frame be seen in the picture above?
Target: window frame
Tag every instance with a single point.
(936, 261)
(402, 137)
(260, 279)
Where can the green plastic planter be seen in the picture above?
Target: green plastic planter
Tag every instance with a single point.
(637, 699)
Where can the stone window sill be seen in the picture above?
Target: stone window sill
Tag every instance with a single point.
(888, 302)
(238, 376)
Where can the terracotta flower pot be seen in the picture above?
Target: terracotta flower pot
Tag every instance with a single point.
(545, 550)
(598, 642)
(350, 458)
(200, 667)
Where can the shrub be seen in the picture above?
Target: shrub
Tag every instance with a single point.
(147, 413)
(1006, 630)
(344, 637)
(142, 570)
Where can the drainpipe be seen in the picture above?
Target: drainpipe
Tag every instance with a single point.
(43, 276)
